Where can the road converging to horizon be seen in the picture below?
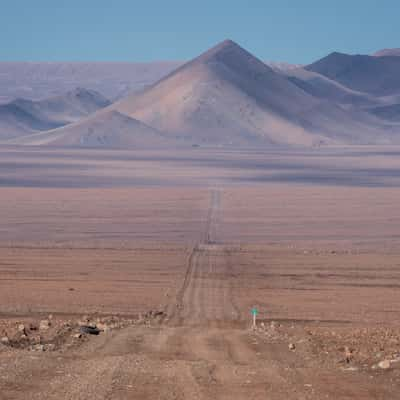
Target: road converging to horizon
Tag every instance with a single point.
(202, 348)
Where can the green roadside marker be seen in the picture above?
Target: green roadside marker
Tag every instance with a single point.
(254, 313)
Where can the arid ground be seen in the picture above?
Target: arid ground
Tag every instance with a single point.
(168, 252)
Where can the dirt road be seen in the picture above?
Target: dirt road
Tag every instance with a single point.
(203, 349)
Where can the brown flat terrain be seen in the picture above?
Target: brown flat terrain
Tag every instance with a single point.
(310, 239)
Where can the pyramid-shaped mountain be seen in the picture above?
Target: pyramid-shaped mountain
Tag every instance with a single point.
(228, 96)
(224, 96)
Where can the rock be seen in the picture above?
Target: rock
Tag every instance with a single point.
(395, 359)
(5, 340)
(158, 313)
(350, 369)
(86, 322)
(348, 354)
(44, 325)
(101, 326)
(385, 364)
(50, 347)
(78, 335)
(38, 347)
(50, 317)
(33, 327)
(292, 346)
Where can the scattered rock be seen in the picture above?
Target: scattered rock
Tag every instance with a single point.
(350, 369)
(5, 340)
(21, 328)
(38, 347)
(33, 327)
(292, 346)
(158, 313)
(348, 354)
(44, 325)
(101, 326)
(385, 364)
(50, 347)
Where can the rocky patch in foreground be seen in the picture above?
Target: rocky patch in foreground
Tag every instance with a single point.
(347, 348)
(58, 333)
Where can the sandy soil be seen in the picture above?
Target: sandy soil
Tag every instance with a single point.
(321, 265)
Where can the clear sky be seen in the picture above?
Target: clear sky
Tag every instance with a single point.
(131, 30)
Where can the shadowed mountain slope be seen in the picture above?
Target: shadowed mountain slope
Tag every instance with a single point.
(389, 113)
(110, 129)
(23, 117)
(374, 75)
(324, 88)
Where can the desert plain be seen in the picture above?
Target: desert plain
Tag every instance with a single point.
(168, 251)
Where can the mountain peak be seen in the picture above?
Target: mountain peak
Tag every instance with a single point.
(224, 47)
(226, 43)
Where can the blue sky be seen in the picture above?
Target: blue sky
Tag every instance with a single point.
(130, 30)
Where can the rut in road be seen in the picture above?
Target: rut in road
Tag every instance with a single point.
(205, 297)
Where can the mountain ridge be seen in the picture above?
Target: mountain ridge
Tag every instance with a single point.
(22, 116)
(227, 96)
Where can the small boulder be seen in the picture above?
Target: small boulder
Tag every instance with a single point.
(50, 347)
(33, 327)
(385, 364)
(101, 326)
(44, 325)
(38, 347)
(21, 328)
(5, 340)
(292, 346)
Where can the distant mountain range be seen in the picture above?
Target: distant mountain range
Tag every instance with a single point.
(379, 76)
(387, 52)
(224, 97)
(22, 117)
(39, 80)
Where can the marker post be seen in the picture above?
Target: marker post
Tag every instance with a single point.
(254, 313)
